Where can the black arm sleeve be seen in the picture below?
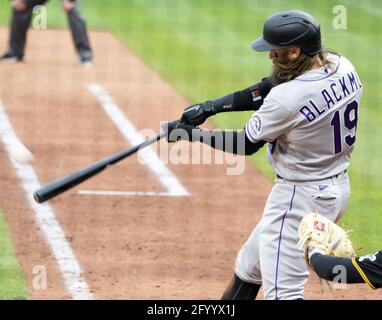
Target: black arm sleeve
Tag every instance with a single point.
(228, 141)
(248, 99)
(328, 267)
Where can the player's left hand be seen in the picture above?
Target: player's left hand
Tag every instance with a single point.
(176, 130)
(19, 5)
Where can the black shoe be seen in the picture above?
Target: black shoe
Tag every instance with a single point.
(10, 57)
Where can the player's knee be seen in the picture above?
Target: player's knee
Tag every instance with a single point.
(247, 271)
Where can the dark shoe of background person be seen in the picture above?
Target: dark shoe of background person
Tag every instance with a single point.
(10, 57)
(86, 58)
(86, 62)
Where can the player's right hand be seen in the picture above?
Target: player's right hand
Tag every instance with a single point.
(19, 5)
(176, 131)
(68, 5)
(196, 114)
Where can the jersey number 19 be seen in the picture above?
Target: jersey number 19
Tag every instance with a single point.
(350, 121)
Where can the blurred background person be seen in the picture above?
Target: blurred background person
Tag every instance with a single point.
(21, 18)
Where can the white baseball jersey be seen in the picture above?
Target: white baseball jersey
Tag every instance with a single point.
(310, 122)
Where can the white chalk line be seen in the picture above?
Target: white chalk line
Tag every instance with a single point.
(46, 219)
(124, 193)
(131, 134)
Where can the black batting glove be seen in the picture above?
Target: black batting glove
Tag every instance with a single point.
(196, 114)
(176, 131)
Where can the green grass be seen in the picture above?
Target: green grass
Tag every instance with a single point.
(203, 49)
(12, 279)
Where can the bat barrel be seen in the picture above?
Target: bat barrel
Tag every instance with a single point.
(63, 184)
(67, 182)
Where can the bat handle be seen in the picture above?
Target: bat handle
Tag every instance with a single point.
(153, 140)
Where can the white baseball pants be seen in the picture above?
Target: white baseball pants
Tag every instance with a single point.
(270, 256)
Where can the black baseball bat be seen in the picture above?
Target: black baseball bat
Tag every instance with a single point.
(63, 184)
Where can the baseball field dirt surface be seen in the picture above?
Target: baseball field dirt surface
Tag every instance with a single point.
(132, 235)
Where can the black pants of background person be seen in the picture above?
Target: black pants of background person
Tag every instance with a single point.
(20, 23)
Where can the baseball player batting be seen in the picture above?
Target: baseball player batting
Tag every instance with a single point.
(21, 19)
(307, 114)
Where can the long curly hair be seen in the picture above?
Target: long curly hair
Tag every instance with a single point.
(286, 72)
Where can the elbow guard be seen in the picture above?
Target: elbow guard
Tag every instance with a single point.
(253, 97)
